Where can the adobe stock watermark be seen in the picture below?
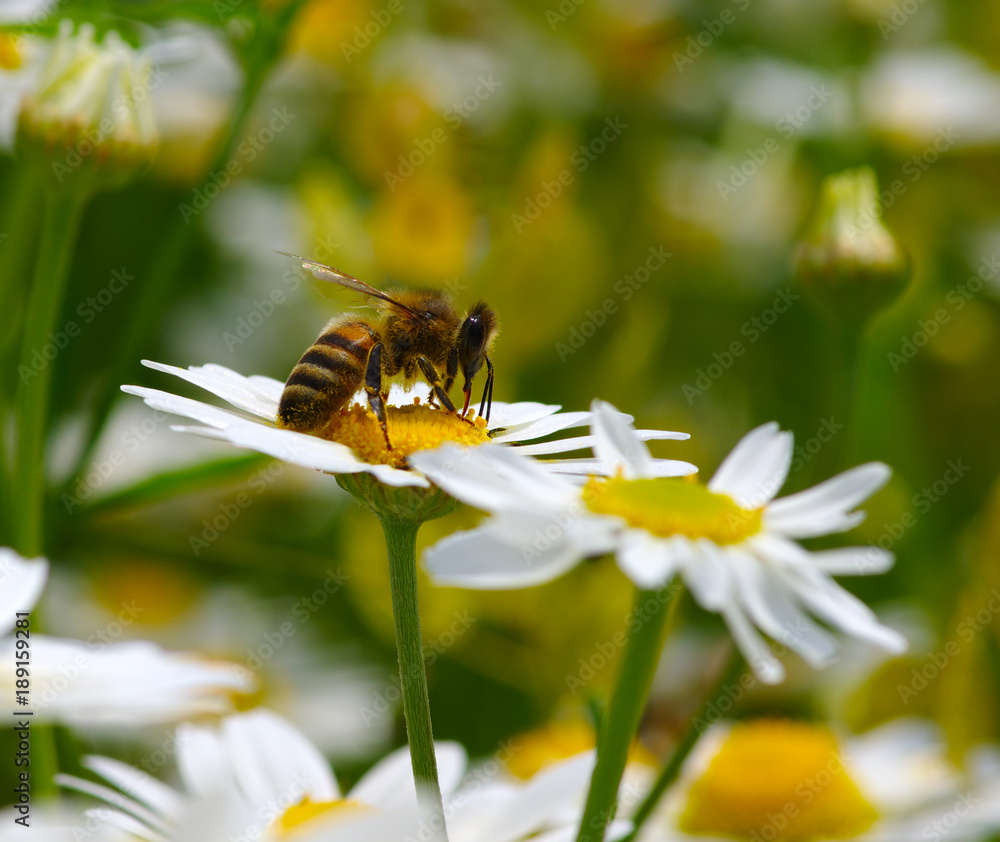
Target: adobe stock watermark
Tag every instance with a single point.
(92, 137)
(100, 470)
(808, 450)
(914, 168)
(605, 651)
(753, 329)
(580, 160)
(456, 114)
(898, 17)
(625, 287)
(432, 825)
(966, 630)
(940, 827)
(562, 13)
(384, 701)
(87, 310)
(711, 29)
(97, 642)
(364, 34)
(246, 152)
(923, 501)
(958, 296)
(229, 512)
(805, 792)
(302, 611)
(786, 127)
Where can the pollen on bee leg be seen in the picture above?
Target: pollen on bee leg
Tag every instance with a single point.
(411, 428)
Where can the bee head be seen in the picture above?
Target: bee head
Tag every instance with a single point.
(475, 335)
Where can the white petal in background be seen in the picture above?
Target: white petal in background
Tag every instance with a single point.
(121, 685)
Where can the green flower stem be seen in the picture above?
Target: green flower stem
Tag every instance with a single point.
(847, 341)
(628, 699)
(704, 718)
(259, 58)
(401, 542)
(60, 223)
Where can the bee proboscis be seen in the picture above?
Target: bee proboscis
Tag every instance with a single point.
(418, 332)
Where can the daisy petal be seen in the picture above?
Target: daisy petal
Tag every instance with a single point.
(587, 442)
(477, 559)
(388, 785)
(505, 415)
(233, 388)
(853, 561)
(141, 787)
(271, 759)
(826, 508)
(647, 560)
(541, 427)
(115, 798)
(707, 574)
(202, 760)
(593, 467)
(772, 607)
(494, 478)
(534, 804)
(753, 473)
(21, 583)
(616, 443)
(121, 821)
(842, 609)
(287, 445)
(756, 651)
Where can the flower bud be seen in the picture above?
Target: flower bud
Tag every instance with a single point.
(848, 260)
(90, 118)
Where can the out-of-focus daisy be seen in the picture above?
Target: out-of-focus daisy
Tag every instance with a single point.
(91, 110)
(422, 227)
(784, 780)
(82, 684)
(257, 776)
(361, 446)
(941, 96)
(337, 699)
(730, 541)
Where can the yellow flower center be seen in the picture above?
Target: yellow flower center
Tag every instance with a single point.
(411, 428)
(533, 751)
(669, 506)
(307, 812)
(777, 780)
(10, 51)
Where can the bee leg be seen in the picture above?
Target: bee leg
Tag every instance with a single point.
(373, 388)
(451, 370)
(487, 391)
(435, 382)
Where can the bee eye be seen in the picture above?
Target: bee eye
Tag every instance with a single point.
(475, 334)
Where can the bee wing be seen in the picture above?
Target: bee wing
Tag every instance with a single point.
(328, 273)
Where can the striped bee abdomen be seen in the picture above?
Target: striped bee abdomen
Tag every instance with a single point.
(326, 376)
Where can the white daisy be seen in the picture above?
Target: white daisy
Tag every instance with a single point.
(730, 541)
(778, 779)
(257, 777)
(413, 428)
(81, 684)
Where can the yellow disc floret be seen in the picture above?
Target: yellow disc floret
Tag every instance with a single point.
(777, 780)
(411, 428)
(535, 750)
(669, 506)
(307, 814)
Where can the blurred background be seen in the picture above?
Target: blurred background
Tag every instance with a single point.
(625, 183)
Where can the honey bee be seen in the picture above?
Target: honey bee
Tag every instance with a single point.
(419, 332)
